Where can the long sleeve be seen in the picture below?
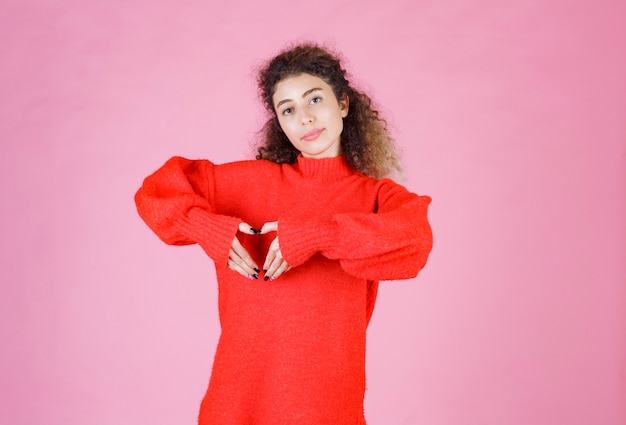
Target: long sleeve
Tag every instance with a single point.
(302, 336)
(391, 243)
(177, 203)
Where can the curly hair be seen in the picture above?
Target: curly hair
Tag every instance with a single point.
(365, 139)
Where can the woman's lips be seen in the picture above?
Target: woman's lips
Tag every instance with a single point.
(312, 135)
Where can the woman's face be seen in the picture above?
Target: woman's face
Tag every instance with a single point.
(310, 115)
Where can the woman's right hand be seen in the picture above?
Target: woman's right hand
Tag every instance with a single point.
(238, 258)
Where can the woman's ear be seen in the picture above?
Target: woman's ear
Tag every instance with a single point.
(344, 105)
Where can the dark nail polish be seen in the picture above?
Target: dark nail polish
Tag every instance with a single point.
(257, 270)
(264, 270)
(256, 276)
(266, 278)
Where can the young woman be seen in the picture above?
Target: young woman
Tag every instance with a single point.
(300, 238)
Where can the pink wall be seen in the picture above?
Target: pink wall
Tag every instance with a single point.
(512, 116)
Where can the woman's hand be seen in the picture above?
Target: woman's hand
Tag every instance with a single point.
(238, 258)
(275, 264)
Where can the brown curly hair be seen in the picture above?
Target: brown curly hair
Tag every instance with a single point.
(365, 139)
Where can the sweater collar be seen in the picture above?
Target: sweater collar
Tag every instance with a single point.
(325, 169)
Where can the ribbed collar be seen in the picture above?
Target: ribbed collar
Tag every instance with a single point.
(325, 169)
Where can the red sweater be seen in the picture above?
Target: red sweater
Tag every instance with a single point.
(292, 350)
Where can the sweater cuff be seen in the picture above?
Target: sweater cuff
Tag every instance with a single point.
(301, 239)
(213, 232)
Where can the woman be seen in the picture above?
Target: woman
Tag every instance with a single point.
(300, 238)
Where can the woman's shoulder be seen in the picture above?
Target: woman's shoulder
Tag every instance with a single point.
(379, 184)
(249, 168)
(250, 171)
(243, 169)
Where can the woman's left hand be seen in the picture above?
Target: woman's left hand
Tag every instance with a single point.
(275, 264)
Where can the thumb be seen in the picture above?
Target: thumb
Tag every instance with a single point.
(247, 229)
(268, 227)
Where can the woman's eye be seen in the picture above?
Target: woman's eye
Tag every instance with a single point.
(316, 99)
(287, 111)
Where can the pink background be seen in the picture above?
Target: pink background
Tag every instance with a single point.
(512, 116)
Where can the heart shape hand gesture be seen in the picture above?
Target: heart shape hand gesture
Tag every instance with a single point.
(240, 260)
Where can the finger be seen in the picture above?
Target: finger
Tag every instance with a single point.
(271, 226)
(275, 264)
(277, 268)
(236, 266)
(239, 255)
(238, 249)
(271, 269)
(281, 269)
(236, 263)
(270, 258)
(247, 229)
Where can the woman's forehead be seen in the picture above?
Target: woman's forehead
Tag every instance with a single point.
(297, 86)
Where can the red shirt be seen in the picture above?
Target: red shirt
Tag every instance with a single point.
(292, 350)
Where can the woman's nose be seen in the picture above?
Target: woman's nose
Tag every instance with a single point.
(306, 117)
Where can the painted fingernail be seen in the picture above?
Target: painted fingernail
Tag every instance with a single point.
(266, 278)
(256, 276)
(257, 270)
(273, 278)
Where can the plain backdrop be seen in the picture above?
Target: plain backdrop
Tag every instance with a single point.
(511, 116)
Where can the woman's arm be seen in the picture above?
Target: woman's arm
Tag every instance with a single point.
(392, 243)
(176, 202)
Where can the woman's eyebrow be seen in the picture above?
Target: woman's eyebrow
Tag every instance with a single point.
(305, 94)
(308, 92)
